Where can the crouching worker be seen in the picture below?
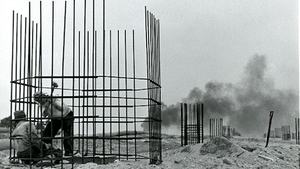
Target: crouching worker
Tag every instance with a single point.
(61, 118)
(25, 139)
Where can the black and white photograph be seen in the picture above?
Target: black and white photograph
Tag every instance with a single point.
(204, 84)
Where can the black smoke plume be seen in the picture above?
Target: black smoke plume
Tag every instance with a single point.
(245, 105)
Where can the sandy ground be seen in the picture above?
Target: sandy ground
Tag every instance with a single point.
(237, 152)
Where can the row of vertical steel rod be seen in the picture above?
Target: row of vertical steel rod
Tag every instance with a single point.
(284, 132)
(153, 84)
(85, 94)
(28, 53)
(29, 48)
(33, 65)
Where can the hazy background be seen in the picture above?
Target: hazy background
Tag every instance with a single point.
(240, 58)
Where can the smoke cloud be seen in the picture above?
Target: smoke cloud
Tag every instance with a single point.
(245, 105)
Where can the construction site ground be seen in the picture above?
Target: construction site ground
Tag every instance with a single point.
(220, 152)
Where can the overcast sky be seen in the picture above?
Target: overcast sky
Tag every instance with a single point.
(201, 40)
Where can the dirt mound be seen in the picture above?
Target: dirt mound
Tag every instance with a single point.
(220, 146)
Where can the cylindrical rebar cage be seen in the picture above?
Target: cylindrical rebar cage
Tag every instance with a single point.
(192, 130)
(286, 132)
(215, 127)
(96, 79)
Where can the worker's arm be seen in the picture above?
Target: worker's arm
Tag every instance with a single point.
(58, 105)
(46, 106)
(33, 129)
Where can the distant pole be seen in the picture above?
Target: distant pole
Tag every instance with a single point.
(182, 128)
(202, 126)
(298, 138)
(210, 128)
(270, 123)
(296, 131)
